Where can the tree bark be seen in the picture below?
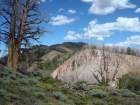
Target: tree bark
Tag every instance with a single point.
(11, 48)
(14, 47)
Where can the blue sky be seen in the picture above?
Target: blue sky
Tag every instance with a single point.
(114, 22)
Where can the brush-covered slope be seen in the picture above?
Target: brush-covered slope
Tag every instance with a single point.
(21, 89)
(50, 57)
(79, 66)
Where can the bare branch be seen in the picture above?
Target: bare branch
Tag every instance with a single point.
(118, 64)
(96, 77)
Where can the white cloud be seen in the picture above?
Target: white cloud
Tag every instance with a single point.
(132, 40)
(71, 35)
(105, 30)
(103, 7)
(137, 10)
(51, 0)
(61, 20)
(99, 31)
(60, 9)
(100, 38)
(71, 11)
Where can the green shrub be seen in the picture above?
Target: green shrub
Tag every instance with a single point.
(113, 101)
(138, 92)
(80, 82)
(97, 93)
(103, 82)
(40, 95)
(82, 96)
(113, 92)
(81, 99)
(130, 81)
(16, 83)
(80, 102)
(24, 81)
(10, 71)
(59, 96)
(39, 78)
(49, 80)
(32, 99)
(12, 76)
(32, 81)
(7, 81)
(36, 89)
(2, 92)
(24, 90)
(43, 103)
(44, 86)
(9, 88)
(11, 96)
(99, 102)
(19, 75)
(4, 73)
(66, 91)
(128, 93)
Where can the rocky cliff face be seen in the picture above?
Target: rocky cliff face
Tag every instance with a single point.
(79, 67)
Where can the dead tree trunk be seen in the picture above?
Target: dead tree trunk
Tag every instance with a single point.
(104, 69)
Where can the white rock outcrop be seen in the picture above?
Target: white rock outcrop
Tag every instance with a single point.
(79, 67)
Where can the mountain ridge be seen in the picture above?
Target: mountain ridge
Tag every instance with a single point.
(59, 52)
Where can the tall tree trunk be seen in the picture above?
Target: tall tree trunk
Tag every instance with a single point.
(11, 46)
(20, 35)
(15, 60)
(11, 52)
(14, 47)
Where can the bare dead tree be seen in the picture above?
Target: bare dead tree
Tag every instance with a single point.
(117, 67)
(20, 23)
(103, 73)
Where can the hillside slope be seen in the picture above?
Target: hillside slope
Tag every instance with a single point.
(53, 56)
(79, 67)
(21, 89)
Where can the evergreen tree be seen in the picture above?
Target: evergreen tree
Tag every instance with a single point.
(129, 51)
